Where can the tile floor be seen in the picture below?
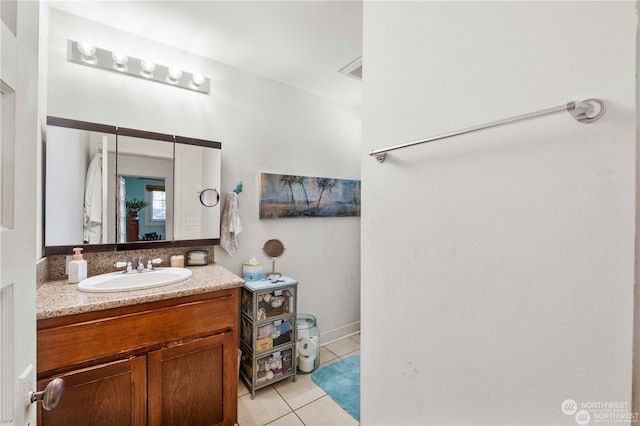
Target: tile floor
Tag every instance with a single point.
(302, 403)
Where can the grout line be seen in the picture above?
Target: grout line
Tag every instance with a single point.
(347, 355)
(292, 410)
(283, 398)
(337, 356)
(299, 418)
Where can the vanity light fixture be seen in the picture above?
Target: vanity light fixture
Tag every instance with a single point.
(87, 54)
(197, 79)
(119, 60)
(147, 68)
(173, 75)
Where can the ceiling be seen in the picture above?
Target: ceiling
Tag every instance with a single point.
(302, 43)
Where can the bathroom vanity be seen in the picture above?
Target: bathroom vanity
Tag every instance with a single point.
(167, 355)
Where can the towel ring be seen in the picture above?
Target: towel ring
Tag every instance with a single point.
(208, 203)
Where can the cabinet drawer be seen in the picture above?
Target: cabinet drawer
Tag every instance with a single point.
(128, 331)
(269, 335)
(270, 303)
(270, 367)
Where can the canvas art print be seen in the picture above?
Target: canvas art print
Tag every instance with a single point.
(284, 196)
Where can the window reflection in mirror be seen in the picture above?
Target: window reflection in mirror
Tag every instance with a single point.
(145, 189)
(149, 224)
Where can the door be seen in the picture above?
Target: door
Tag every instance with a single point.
(194, 384)
(105, 395)
(122, 210)
(19, 139)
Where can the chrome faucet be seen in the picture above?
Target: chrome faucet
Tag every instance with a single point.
(122, 265)
(141, 267)
(152, 262)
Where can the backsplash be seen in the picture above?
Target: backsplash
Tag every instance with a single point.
(102, 262)
(42, 271)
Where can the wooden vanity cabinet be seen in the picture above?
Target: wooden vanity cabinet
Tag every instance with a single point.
(104, 395)
(172, 362)
(187, 382)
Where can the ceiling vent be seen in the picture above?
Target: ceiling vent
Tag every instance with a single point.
(353, 70)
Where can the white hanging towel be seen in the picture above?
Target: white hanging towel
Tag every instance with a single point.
(93, 201)
(231, 225)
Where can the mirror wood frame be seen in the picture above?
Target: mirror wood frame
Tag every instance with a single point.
(138, 245)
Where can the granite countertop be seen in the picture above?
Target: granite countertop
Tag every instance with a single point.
(59, 298)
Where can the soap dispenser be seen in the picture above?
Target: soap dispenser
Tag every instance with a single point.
(77, 266)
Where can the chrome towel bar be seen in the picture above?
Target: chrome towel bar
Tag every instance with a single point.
(586, 111)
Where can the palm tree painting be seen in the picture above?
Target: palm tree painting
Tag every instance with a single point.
(285, 196)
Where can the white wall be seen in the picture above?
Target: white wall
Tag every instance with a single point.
(67, 161)
(196, 170)
(264, 126)
(497, 267)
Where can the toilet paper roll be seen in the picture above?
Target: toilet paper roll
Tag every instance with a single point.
(305, 364)
(314, 344)
(306, 348)
(303, 333)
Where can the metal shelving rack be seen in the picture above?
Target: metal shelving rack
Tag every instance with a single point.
(268, 332)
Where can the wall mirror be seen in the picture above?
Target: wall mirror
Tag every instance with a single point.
(197, 207)
(110, 188)
(144, 187)
(75, 206)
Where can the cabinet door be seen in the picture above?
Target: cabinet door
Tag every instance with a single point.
(195, 383)
(107, 394)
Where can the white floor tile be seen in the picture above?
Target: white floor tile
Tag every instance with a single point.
(325, 412)
(326, 355)
(242, 388)
(267, 407)
(289, 420)
(299, 393)
(351, 354)
(355, 337)
(343, 347)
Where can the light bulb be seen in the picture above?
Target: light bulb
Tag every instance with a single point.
(197, 79)
(174, 75)
(119, 60)
(87, 52)
(147, 68)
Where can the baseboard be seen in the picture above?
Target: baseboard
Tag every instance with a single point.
(330, 336)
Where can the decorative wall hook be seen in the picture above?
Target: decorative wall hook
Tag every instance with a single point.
(238, 188)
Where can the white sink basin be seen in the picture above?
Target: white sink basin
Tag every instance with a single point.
(117, 281)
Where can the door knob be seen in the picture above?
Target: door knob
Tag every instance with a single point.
(50, 396)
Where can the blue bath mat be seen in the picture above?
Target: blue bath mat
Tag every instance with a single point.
(341, 381)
